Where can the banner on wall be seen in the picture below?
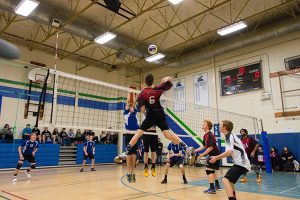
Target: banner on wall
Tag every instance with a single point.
(179, 95)
(201, 89)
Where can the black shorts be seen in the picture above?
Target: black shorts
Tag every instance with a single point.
(215, 165)
(176, 161)
(133, 149)
(150, 141)
(157, 118)
(89, 156)
(234, 173)
(30, 158)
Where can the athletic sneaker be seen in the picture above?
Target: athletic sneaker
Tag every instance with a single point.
(133, 178)
(218, 187)
(146, 174)
(258, 179)
(164, 181)
(28, 174)
(14, 179)
(210, 191)
(93, 169)
(81, 170)
(129, 178)
(185, 181)
(244, 179)
(153, 172)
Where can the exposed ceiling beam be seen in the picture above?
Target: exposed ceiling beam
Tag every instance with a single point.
(72, 19)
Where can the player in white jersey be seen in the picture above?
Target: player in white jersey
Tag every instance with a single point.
(235, 149)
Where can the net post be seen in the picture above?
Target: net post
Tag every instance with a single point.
(265, 144)
(42, 98)
(54, 100)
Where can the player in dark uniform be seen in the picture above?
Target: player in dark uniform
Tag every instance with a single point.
(251, 147)
(89, 152)
(175, 156)
(150, 143)
(211, 149)
(27, 151)
(149, 103)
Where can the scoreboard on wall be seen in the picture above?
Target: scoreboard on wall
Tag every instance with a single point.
(241, 79)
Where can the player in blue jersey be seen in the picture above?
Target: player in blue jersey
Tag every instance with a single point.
(175, 156)
(131, 124)
(89, 152)
(27, 151)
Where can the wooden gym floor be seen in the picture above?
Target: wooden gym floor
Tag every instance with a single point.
(109, 182)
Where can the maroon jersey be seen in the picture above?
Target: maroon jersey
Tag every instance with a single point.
(209, 140)
(149, 97)
(249, 144)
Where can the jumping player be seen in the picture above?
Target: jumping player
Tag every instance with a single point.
(27, 151)
(150, 142)
(131, 124)
(211, 149)
(175, 156)
(235, 149)
(149, 103)
(251, 147)
(89, 152)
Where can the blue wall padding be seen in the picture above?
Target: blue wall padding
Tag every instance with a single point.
(47, 155)
(103, 153)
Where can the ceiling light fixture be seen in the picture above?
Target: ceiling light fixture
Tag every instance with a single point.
(175, 1)
(105, 37)
(25, 7)
(155, 57)
(232, 28)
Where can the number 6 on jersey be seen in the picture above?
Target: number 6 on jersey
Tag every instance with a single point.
(152, 99)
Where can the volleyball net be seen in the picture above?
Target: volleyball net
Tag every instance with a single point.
(71, 101)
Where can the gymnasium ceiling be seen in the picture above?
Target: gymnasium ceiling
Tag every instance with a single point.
(176, 29)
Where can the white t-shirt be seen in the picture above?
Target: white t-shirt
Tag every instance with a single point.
(239, 154)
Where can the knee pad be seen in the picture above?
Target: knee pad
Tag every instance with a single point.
(19, 165)
(208, 172)
(33, 166)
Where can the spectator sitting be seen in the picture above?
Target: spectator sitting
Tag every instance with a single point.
(46, 136)
(103, 137)
(115, 138)
(274, 157)
(37, 132)
(26, 132)
(95, 138)
(7, 134)
(78, 137)
(288, 159)
(85, 135)
(71, 137)
(260, 157)
(109, 136)
(55, 135)
(63, 136)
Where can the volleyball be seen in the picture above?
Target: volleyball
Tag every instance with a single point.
(152, 49)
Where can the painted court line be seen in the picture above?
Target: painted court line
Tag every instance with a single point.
(13, 195)
(146, 193)
(289, 189)
(3, 197)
